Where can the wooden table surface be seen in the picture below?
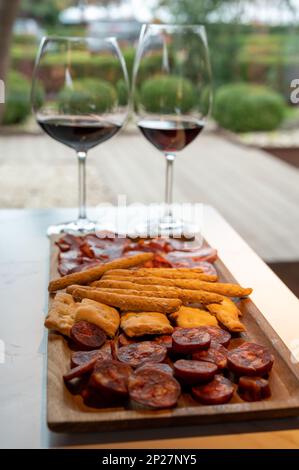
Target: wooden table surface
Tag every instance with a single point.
(24, 265)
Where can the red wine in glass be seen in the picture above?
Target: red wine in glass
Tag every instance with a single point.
(172, 101)
(79, 107)
(170, 135)
(79, 134)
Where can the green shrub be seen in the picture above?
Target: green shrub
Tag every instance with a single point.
(247, 108)
(88, 96)
(17, 100)
(166, 94)
(129, 56)
(122, 92)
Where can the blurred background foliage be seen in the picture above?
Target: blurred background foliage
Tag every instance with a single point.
(254, 53)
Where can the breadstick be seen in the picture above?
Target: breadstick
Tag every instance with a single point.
(92, 274)
(128, 275)
(159, 272)
(185, 295)
(129, 302)
(230, 290)
(228, 314)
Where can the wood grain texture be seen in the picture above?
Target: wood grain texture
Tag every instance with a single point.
(67, 413)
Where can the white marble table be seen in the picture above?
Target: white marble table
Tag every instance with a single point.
(24, 254)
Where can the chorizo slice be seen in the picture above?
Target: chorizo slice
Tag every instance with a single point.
(110, 379)
(250, 359)
(217, 392)
(87, 335)
(138, 353)
(80, 370)
(193, 372)
(79, 358)
(216, 354)
(253, 388)
(189, 340)
(218, 335)
(156, 365)
(153, 388)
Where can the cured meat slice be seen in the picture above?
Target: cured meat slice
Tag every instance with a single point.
(189, 340)
(216, 354)
(218, 335)
(253, 388)
(154, 388)
(193, 372)
(156, 365)
(79, 358)
(217, 392)
(138, 353)
(87, 335)
(250, 359)
(110, 379)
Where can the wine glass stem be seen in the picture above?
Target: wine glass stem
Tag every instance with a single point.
(169, 183)
(82, 184)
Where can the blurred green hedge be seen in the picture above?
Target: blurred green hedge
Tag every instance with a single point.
(241, 107)
(17, 102)
(165, 94)
(88, 96)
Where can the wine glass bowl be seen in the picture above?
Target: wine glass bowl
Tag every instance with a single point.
(172, 93)
(79, 102)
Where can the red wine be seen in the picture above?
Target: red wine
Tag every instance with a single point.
(81, 135)
(170, 136)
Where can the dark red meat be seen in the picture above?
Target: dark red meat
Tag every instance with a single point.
(154, 388)
(250, 359)
(217, 392)
(87, 335)
(189, 340)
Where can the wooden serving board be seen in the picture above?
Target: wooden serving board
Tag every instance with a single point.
(67, 413)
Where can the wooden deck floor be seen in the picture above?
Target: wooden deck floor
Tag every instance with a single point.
(257, 193)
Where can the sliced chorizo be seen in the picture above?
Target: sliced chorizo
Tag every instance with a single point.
(138, 353)
(110, 379)
(87, 335)
(250, 359)
(189, 340)
(253, 388)
(156, 365)
(217, 392)
(153, 388)
(193, 372)
(218, 335)
(80, 370)
(216, 354)
(79, 358)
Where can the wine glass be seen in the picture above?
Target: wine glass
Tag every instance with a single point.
(80, 97)
(172, 94)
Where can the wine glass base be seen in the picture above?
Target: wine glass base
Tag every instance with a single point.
(76, 227)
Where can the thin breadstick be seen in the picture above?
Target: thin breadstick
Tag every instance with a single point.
(159, 272)
(185, 295)
(230, 290)
(129, 302)
(92, 274)
(128, 275)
